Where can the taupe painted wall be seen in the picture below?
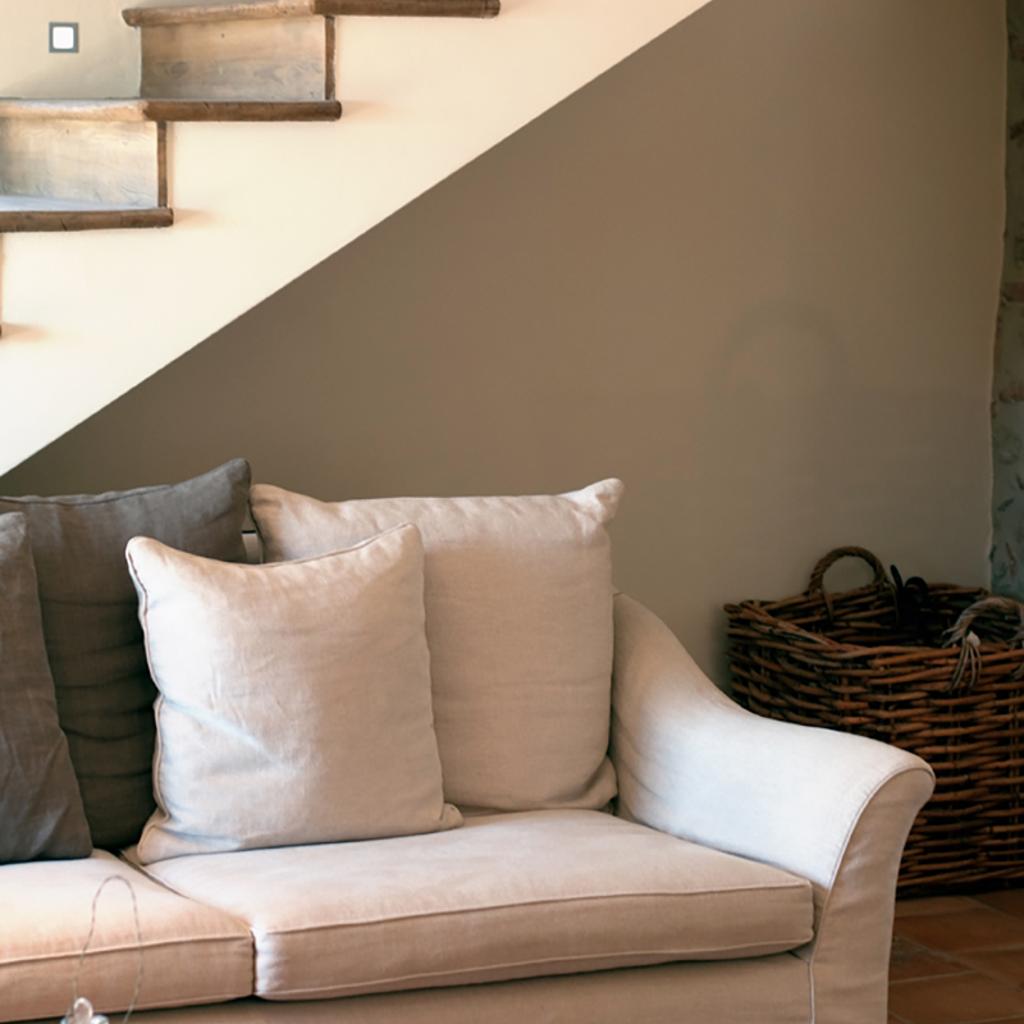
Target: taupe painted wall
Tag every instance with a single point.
(753, 271)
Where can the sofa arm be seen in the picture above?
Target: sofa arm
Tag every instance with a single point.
(828, 806)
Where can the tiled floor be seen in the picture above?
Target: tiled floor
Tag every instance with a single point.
(958, 960)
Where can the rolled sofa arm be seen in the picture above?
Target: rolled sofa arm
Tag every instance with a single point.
(828, 806)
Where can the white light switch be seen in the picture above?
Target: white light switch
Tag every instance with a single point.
(63, 37)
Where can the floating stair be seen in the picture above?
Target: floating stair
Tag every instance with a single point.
(143, 17)
(80, 165)
(75, 165)
(169, 110)
(38, 213)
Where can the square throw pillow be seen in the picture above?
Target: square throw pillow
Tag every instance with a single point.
(41, 816)
(519, 622)
(91, 624)
(294, 699)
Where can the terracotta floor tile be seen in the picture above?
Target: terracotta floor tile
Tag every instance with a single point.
(1005, 964)
(955, 999)
(909, 960)
(1010, 901)
(934, 905)
(979, 928)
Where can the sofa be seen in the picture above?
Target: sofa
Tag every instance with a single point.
(744, 872)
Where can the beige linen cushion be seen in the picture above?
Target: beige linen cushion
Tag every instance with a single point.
(519, 621)
(191, 954)
(506, 896)
(294, 698)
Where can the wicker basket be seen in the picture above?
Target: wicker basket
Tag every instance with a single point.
(935, 669)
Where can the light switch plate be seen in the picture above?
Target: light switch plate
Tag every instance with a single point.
(63, 37)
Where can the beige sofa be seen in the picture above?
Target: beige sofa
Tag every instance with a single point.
(748, 875)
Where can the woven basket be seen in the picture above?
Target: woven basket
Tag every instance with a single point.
(935, 669)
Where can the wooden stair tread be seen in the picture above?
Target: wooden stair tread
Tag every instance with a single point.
(73, 110)
(43, 213)
(170, 110)
(147, 17)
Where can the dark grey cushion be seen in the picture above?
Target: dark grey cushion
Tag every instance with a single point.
(90, 620)
(41, 814)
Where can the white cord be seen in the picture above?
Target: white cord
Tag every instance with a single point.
(88, 941)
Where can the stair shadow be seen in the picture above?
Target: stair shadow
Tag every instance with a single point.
(20, 332)
(194, 218)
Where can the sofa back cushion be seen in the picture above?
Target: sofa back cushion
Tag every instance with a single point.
(519, 621)
(91, 625)
(294, 699)
(41, 814)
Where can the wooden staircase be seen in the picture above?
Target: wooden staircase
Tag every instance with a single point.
(73, 165)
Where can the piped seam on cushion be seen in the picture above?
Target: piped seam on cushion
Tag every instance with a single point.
(367, 922)
(157, 746)
(86, 500)
(676, 955)
(128, 948)
(92, 500)
(266, 566)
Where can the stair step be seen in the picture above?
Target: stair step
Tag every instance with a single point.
(142, 17)
(92, 166)
(39, 213)
(170, 110)
(72, 110)
(283, 60)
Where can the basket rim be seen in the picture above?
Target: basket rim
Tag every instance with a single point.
(759, 610)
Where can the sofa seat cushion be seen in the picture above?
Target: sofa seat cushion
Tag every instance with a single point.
(507, 896)
(191, 954)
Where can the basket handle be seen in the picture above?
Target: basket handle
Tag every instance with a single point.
(817, 584)
(961, 633)
(962, 626)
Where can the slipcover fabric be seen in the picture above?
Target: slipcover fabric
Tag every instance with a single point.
(506, 896)
(294, 699)
(192, 954)
(93, 637)
(766, 990)
(832, 807)
(519, 620)
(41, 814)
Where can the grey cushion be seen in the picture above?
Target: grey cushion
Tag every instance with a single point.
(93, 637)
(41, 814)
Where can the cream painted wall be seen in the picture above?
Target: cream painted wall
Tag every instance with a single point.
(107, 63)
(259, 204)
(753, 270)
